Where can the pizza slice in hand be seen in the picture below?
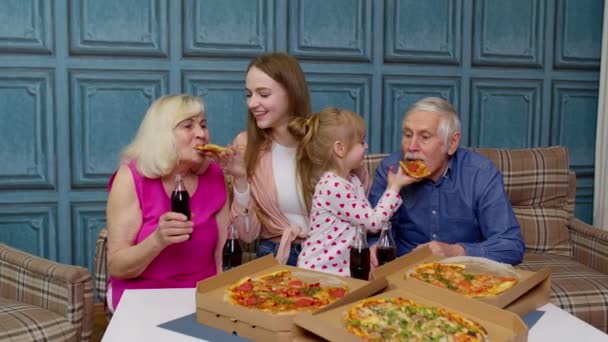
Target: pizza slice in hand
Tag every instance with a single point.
(213, 148)
(415, 168)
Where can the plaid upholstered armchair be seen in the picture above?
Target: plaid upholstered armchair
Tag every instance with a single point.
(542, 189)
(41, 300)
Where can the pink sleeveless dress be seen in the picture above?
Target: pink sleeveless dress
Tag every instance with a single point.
(183, 264)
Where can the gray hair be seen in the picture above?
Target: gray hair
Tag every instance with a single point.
(449, 124)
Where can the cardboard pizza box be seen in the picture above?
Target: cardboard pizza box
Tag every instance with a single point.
(500, 325)
(531, 291)
(214, 310)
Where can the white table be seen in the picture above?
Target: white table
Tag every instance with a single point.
(141, 311)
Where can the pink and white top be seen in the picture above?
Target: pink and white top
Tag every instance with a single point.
(338, 206)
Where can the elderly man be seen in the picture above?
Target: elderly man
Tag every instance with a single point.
(461, 208)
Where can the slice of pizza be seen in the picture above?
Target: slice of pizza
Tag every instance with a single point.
(455, 277)
(415, 168)
(213, 148)
(401, 319)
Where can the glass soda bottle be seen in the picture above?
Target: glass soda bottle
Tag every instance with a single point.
(386, 250)
(359, 256)
(180, 199)
(233, 254)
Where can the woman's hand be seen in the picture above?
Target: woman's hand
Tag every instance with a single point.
(173, 228)
(233, 163)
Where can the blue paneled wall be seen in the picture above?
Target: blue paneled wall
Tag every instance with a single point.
(76, 77)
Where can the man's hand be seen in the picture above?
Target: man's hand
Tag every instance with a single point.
(443, 249)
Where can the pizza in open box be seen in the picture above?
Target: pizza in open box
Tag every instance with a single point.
(401, 319)
(284, 292)
(472, 277)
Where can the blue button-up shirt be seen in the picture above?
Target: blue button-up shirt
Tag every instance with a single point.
(468, 205)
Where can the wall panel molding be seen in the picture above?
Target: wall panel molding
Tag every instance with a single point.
(117, 27)
(31, 228)
(509, 32)
(574, 110)
(400, 92)
(334, 30)
(505, 113)
(27, 27)
(28, 143)
(228, 28)
(225, 101)
(350, 92)
(578, 34)
(423, 31)
(87, 220)
(106, 108)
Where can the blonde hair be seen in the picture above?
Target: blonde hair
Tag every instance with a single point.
(153, 148)
(317, 136)
(285, 70)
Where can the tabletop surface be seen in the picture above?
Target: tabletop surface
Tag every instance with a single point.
(141, 311)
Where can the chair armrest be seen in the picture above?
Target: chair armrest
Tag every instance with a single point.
(101, 265)
(64, 289)
(589, 245)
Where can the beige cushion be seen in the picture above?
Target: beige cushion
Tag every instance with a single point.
(536, 181)
(25, 322)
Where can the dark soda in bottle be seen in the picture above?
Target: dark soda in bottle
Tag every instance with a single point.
(233, 254)
(359, 256)
(386, 250)
(386, 255)
(180, 199)
(359, 263)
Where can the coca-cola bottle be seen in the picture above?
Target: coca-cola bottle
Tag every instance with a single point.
(233, 254)
(359, 256)
(180, 199)
(386, 250)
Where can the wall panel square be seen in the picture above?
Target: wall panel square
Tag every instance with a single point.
(574, 110)
(509, 32)
(228, 27)
(578, 34)
(27, 27)
(31, 228)
(87, 220)
(106, 108)
(335, 30)
(118, 27)
(505, 113)
(426, 32)
(27, 129)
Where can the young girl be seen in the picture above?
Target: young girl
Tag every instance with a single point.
(330, 155)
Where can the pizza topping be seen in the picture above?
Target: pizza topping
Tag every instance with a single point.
(453, 277)
(415, 168)
(282, 292)
(392, 319)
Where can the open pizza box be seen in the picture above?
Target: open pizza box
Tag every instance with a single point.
(213, 308)
(499, 324)
(531, 291)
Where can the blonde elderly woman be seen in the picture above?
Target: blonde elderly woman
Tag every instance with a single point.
(149, 246)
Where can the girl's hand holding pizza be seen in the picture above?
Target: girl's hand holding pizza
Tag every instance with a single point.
(397, 180)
